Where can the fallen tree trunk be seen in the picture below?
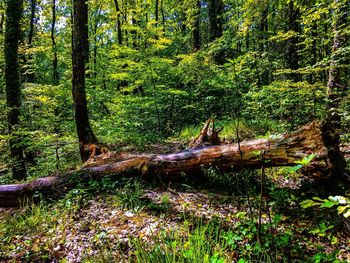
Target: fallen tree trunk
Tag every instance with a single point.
(284, 150)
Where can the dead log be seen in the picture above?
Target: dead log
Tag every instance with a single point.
(208, 135)
(283, 150)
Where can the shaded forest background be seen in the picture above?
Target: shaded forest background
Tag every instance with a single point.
(141, 77)
(157, 69)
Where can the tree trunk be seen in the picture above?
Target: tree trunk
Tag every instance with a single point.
(163, 14)
(14, 11)
(215, 11)
(156, 11)
(336, 91)
(292, 48)
(263, 43)
(196, 27)
(32, 22)
(80, 56)
(2, 17)
(29, 75)
(285, 150)
(55, 74)
(119, 24)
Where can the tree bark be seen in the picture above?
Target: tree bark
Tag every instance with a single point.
(2, 17)
(163, 14)
(156, 11)
(29, 75)
(336, 91)
(285, 150)
(196, 27)
(215, 11)
(14, 11)
(216, 23)
(32, 22)
(80, 56)
(119, 24)
(55, 74)
(263, 43)
(292, 43)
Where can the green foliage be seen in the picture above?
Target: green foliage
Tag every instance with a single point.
(202, 244)
(31, 219)
(130, 196)
(303, 163)
(154, 86)
(341, 203)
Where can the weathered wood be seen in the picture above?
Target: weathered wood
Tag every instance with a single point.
(208, 135)
(284, 150)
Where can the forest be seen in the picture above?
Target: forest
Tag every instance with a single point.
(206, 131)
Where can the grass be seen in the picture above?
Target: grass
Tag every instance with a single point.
(247, 130)
(33, 232)
(203, 244)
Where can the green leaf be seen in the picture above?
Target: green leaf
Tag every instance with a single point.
(328, 204)
(295, 168)
(341, 209)
(308, 203)
(347, 214)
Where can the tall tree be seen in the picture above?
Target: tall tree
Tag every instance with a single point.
(29, 74)
(215, 12)
(336, 91)
(14, 11)
(32, 22)
(55, 74)
(156, 10)
(196, 27)
(80, 56)
(293, 15)
(119, 22)
(2, 17)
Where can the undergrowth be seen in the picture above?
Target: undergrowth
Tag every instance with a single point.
(279, 236)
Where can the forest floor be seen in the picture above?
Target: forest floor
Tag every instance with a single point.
(132, 219)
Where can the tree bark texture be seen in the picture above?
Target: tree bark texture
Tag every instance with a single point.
(336, 91)
(215, 11)
(292, 44)
(55, 73)
(196, 35)
(119, 24)
(80, 56)
(14, 11)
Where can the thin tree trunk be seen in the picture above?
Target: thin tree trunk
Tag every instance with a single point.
(196, 27)
(163, 14)
(292, 44)
(215, 11)
(32, 22)
(29, 75)
(156, 11)
(80, 56)
(95, 44)
(14, 11)
(263, 28)
(55, 74)
(313, 61)
(119, 24)
(331, 126)
(2, 17)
